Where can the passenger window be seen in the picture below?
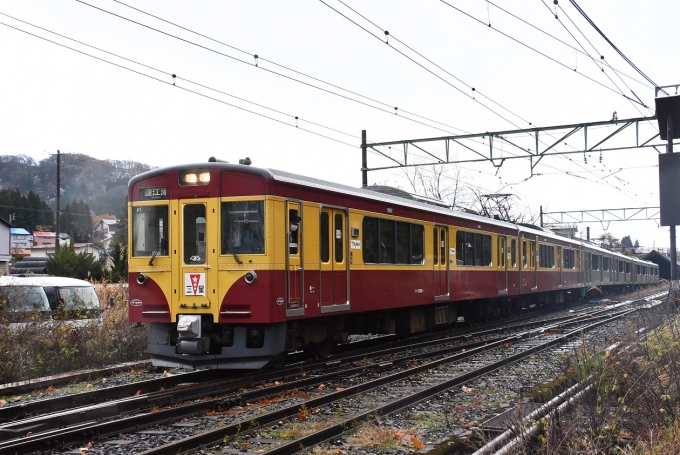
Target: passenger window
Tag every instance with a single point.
(436, 246)
(293, 230)
(339, 254)
(324, 234)
(513, 252)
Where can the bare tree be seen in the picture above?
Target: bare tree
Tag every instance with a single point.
(444, 183)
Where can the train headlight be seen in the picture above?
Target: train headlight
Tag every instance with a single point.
(194, 177)
(141, 279)
(250, 277)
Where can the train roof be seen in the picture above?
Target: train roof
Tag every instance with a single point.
(289, 177)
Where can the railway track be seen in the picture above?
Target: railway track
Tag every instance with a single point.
(161, 415)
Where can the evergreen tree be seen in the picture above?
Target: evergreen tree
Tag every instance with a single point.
(119, 263)
(68, 263)
(76, 220)
(26, 212)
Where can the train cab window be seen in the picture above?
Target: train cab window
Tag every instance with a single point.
(242, 226)
(621, 265)
(194, 232)
(150, 230)
(627, 267)
(525, 263)
(532, 257)
(513, 253)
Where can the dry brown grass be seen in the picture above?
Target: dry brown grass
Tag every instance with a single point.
(40, 347)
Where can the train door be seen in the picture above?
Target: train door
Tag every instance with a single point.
(441, 263)
(503, 264)
(197, 252)
(334, 280)
(294, 262)
(559, 264)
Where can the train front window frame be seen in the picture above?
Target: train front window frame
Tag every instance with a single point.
(194, 233)
(150, 225)
(242, 224)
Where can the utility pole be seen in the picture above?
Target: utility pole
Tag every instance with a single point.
(669, 150)
(364, 161)
(56, 245)
(668, 116)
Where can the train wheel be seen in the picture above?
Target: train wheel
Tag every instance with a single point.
(325, 348)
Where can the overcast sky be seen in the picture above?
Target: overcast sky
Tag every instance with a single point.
(224, 105)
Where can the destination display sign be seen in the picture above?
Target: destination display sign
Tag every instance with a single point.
(152, 194)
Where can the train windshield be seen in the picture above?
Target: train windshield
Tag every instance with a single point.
(243, 227)
(150, 230)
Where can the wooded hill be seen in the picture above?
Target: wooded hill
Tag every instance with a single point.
(101, 184)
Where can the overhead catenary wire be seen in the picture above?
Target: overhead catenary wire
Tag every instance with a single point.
(166, 82)
(331, 92)
(620, 73)
(422, 66)
(420, 55)
(259, 57)
(476, 90)
(603, 61)
(537, 51)
(585, 16)
(233, 47)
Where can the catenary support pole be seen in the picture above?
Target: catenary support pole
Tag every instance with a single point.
(669, 149)
(56, 242)
(364, 160)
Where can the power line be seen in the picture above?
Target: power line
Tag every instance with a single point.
(433, 63)
(563, 42)
(182, 88)
(387, 34)
(602, 59)
(258, 57)
(538, 52)
(331, 92)
(583, 13)
(420, 65)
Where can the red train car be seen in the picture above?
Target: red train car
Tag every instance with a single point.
(234, 266)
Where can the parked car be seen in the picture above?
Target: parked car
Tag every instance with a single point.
(56, 298)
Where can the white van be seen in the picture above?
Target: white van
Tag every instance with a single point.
(47, 296)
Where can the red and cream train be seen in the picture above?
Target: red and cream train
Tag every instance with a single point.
(234, 266)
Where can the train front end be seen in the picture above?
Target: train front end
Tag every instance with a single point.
(202, 267)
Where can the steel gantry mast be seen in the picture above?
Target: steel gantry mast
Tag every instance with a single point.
(530, 143)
